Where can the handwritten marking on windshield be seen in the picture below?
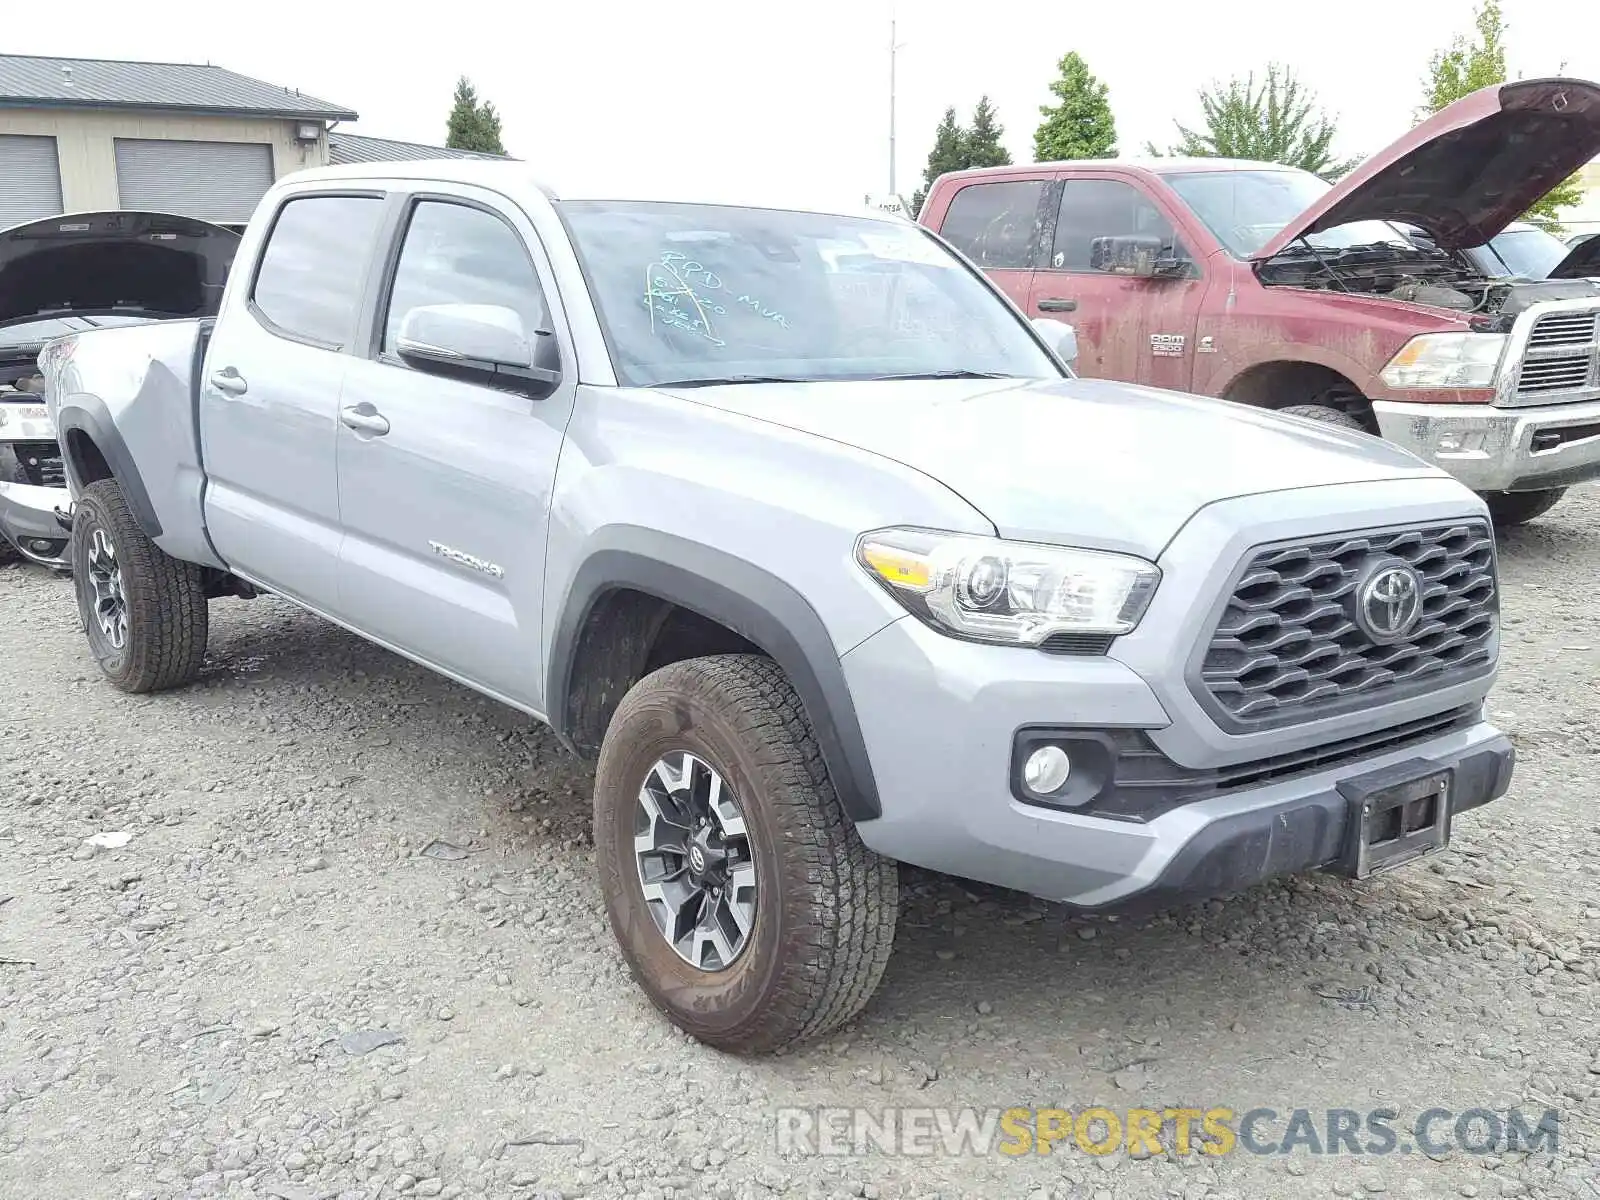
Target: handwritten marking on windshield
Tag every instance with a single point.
(671, 296)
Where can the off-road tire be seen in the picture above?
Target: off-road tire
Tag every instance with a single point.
(1518, 508)
(826, 905)
(166, 603)
(1327, 414)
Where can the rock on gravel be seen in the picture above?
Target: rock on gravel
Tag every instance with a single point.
(273, 989)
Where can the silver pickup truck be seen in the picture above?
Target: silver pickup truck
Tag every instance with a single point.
(798, 527)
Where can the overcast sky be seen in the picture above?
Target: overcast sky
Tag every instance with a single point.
(794, 97)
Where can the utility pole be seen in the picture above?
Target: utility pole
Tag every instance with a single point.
(894, 46)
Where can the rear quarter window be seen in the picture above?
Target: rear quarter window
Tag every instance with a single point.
(313, 269)
(996, 224)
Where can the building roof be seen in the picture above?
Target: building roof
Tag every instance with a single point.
(30, 82)
(357, 148)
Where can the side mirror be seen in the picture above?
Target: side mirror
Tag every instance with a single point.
(1059, 336)
(484, 343)
(1141, 256)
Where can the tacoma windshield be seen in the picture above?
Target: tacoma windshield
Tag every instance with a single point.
(691, 293)
(1247, 209)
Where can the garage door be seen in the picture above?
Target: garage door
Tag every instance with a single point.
(30, 179)
(215, 181)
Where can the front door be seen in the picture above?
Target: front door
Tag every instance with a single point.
(1134, 329)
(269, 397)
(444, 484)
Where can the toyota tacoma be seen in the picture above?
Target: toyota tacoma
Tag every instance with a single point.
(804, 533)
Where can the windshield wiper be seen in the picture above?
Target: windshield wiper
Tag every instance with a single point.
(954, 374)
(715, 380)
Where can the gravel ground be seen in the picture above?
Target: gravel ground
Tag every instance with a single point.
(330, 849)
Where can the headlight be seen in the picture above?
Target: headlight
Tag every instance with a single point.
(1016, 593)
(1446, 360)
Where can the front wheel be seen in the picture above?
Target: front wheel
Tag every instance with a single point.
(144, 612)
(1518, 508)
(743, 900)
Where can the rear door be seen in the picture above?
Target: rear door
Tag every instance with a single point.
(1133, 329)
(445, 506)
(997, 223)
(269, 395)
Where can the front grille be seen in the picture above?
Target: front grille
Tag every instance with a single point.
(1564, 329)
(1287, 647)
(40, 463)
(1562, 359)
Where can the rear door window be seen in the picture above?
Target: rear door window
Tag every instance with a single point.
(314, 267)
(996, 224)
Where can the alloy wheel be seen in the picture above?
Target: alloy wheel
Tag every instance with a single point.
(110, 602)
(694, 861)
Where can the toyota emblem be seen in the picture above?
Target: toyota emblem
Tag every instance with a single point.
(1389, 602)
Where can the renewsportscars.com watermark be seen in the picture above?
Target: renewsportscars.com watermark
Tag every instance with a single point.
(968, 1132)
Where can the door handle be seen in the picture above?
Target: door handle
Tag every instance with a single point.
(363, 418)
(228, 380)
(1057, 304)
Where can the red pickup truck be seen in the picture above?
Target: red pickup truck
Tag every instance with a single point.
(1352, 303)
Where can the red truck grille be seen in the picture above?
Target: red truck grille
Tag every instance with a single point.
(1562, 359)
(1290, 646)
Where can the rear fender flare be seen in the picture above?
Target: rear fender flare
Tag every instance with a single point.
(88, 415)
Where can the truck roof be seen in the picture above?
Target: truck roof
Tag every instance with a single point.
(1156, 166)
(499, 175)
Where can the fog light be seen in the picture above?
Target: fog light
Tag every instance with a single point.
(1046, 770)
(40, 546)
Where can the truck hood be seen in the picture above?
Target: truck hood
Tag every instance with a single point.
(1582, 263)
(1471, 169)
(138, 264)
(1087, 462)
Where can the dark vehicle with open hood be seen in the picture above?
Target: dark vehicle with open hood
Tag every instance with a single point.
(1266, 285)
(62, 275)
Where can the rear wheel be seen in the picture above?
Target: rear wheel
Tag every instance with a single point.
(143, 611)
(742, 898)
(1518, 508)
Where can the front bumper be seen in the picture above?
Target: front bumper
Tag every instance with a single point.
(28, 522)
(1499, 449)
(941, 719)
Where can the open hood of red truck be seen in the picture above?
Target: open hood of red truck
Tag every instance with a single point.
(1471, 169)
(139, 264)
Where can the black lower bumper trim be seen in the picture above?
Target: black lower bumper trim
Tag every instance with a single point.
(1299, 835)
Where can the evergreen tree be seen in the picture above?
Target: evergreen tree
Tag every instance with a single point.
(473, 124)
(1079, 124)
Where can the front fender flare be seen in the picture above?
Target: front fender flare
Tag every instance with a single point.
(755, 604)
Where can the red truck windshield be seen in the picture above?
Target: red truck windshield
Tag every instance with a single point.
(1246, 209)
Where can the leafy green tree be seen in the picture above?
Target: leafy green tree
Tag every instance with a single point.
(983, 144)
(474, 124)
(1467, 65)
(1079, 124)
(1278, 121)
(949, 153)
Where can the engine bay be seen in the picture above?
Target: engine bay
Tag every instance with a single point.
(1420, 274)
